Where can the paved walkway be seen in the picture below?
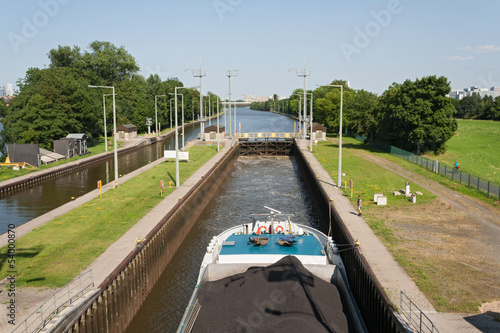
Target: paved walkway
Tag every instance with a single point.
(390, 274)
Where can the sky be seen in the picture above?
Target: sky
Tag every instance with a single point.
(371, 44)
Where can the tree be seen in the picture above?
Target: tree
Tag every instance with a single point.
(492, 111)
(327, 105)
(107, 64)
(363, 116)
(417, 116)
(51, 103)
(469, 107)
(3, 108)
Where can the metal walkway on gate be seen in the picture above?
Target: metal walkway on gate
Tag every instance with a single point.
(270, 146)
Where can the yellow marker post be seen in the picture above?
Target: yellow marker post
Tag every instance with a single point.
(170, 184)
(345, 185)
(99, 186)
(161, 186)
(351, 187)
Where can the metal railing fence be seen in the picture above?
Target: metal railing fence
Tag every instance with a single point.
(415, 319)
(266, 135)
(487, 187)
(59, 300)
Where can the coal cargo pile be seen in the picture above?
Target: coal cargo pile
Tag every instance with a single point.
(282, 297)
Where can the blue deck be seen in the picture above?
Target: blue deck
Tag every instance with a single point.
(305, 245)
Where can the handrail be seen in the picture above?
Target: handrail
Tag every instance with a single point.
(59, 300)
(266, 135)
(413, 317)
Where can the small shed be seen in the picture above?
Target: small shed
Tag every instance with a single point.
(79, 141)
(127, 131)
(211, 133)
(318, 132)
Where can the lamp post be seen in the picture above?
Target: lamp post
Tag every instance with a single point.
(156, 112)
(114, 128)
(231, 72)
(304, 73)
(310, 122)
(170, 113)
(199, 73)
(340, 129)
(218, 135)
(182, 95)
(177, 139)
(300, 112)
(105, 129)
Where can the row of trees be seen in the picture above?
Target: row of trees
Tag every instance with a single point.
(54, 101)
(475, 107)
(415, 115)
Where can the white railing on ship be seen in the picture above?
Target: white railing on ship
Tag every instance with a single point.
(415, 319)
(59, 300)
(266, 135)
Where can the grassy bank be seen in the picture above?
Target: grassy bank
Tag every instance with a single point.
(439, 247)
(53, 254)
(367, 177)
(476, 146)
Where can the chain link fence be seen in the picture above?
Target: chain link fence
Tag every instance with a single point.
(481, 184)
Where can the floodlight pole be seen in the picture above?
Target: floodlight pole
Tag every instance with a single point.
(114, 129)
(304, 73)
(340, 129)
(300, 111)
(231, 72)
(177, 139)
(218, 135)
(182, 98)
(105, 129)
(199, 73)
(156, 112)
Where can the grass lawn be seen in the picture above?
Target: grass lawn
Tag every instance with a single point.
(95, 146)
(429, 239)
(53, 254)
(368, 178)
(476, 147)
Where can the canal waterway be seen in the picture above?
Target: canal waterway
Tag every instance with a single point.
(255, 181)
(35, 201)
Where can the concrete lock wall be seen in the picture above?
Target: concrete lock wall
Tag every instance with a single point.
(124, 291)
(373, 303)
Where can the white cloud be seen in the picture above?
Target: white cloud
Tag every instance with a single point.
(464, 48)
(486, 49)
(459, 58)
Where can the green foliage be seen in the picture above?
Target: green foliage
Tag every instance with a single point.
(473, 107)
(416, 115)
(3, 109)
(55, 101)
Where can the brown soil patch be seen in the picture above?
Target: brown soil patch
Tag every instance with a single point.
(450, 246)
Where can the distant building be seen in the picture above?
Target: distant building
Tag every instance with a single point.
(481, 92)
(127, 131)
(9, 90)
(2, 92)
(211, 133)
(318, 132)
